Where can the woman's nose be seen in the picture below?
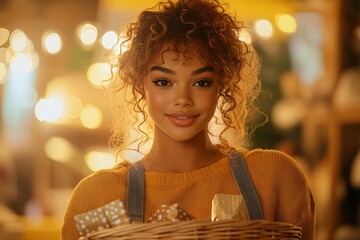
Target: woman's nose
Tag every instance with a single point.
(183, 96)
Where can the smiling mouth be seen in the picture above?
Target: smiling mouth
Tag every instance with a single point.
(181, 120)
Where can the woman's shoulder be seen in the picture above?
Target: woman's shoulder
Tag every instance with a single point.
(103, 177)
(260, 156)
(109, 183)
(272, 162)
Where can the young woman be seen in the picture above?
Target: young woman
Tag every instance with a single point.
(187, 84)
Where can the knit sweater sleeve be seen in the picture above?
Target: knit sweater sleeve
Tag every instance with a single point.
(283, 190)
(93, 192)
(296, 203)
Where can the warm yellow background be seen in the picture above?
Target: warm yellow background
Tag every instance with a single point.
(245, 9)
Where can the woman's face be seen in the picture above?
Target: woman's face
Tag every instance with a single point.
(181, 95)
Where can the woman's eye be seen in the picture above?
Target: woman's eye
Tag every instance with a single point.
(203, 83)
(162, 83)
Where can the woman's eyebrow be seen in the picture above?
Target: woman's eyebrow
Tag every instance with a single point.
(195, 72)
(162, 69)
(203, 69)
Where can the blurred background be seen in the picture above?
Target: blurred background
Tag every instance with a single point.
(55, 113)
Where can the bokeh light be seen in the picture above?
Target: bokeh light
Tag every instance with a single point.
(29, 47)
(3, 72)
(56, 88)
(245, 36)
(121, 46)
(97, 160)
(51, 42)
(109, 39)
(49, 109)
(131, 155)
(4, 35)
(4, 67)
(286, 23)
(98, 73)
(35, 59)
(87, 34)
(59, 149)
(8, 55)
(21, 63)
(73, 107)
(3, 55)
(263, 28)
(18, 41)
(91, 117)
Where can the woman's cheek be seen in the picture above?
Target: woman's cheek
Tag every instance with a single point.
(155, 101)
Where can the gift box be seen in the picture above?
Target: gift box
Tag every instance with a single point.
(107, 216)
(172, 212)
(228, 207)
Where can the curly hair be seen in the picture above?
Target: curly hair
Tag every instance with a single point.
(179, 26)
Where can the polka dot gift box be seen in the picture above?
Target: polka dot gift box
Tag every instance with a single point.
(107, 216)
(170, 213)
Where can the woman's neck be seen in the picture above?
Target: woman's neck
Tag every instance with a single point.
(168, 155)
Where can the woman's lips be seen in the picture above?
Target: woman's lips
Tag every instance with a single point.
(182, 120)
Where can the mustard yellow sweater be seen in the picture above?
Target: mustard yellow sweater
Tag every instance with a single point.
(279, 181)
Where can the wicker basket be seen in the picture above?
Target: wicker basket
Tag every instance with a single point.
(201, 229)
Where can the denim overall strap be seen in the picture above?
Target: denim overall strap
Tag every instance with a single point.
(243, 180)
(136, 188)
(136, 192)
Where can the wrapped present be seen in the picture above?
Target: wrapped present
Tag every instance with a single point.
(170, 213)
(107, 216)
(228, 207)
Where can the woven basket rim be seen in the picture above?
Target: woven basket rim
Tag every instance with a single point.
(200, 229)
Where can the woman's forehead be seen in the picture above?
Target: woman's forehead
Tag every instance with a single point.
(187, 56)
